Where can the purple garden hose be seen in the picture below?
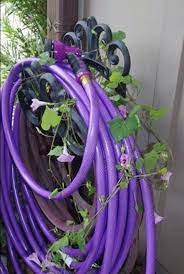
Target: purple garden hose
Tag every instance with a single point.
(27, 226)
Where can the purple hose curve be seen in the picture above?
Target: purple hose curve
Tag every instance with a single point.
(115, 227)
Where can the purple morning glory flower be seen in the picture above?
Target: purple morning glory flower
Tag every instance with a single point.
(36, 104)
(158, 218)
(47, 264)
(166, 177)
(65, 157)
(125, 160)
(34, 258)
(123, 110)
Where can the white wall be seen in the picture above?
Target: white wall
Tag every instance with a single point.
(155, 32)
(142, 22)
(171, 238)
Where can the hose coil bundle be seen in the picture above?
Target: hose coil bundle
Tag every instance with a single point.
(28, 229)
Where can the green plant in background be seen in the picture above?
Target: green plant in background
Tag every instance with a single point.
(23, 28)
(30, 12)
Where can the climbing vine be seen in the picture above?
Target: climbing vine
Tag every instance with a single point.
(132, 118)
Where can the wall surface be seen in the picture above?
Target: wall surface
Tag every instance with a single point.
(142, 23)
(155, 32)
(170, 237)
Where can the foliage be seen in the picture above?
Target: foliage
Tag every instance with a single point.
(121, 128)
(32, 13)
(118, 35)
(55, 151)
(54, 193)
(91, 189)
(46, 59)
(26, 37)
(50, 118)
(73, 238)
(123, 184)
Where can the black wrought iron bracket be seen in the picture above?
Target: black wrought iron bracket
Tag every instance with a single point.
(88, 35)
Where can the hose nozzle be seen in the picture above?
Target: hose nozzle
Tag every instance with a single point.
(79, 67)
(59, 50)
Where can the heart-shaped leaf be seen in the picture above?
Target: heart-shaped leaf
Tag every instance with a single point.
(50, 119)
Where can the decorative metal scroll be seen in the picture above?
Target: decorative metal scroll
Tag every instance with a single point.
(88, 35)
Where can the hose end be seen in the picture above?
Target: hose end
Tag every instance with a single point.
(79, 68)
(59, 50)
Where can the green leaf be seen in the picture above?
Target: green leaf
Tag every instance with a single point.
(139, 163)
(46, 59)
(50, 119)
(120, 128)
(84, 213)
(64, 108)
(123, 184)
(126, 79)
(90, 187)
(150, 161)
(119, 167)
(71, 102)
(119, 35)
(54, 193)
(57, 151)
(59, 244)
(132, 125)
(81, 240)
(117, 128)
(135, 110)
(138, 121)
(112, 85)
(77, 238)
(56, 258)
(116, 76)
(85, 222)
(163, 171)
(157, 113)
(158, 147)
(115, 98)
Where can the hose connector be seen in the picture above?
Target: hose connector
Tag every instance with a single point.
(79, 68)
(59, 50)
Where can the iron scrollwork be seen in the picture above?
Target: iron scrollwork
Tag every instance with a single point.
(88, 34)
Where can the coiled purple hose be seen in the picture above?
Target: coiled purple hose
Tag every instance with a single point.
(115, 228)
